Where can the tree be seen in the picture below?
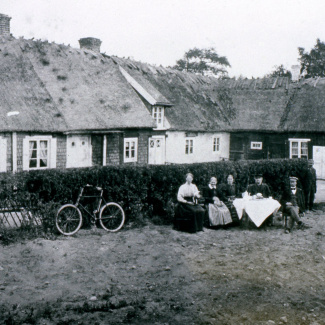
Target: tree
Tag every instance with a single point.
(203, 61)
(313, 63)
(279, 71)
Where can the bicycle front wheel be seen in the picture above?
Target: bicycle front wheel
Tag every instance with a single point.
(112, 217)
(68, 219)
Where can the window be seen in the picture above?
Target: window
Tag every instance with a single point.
(158, 115)
(188, 146)
(256, 145)
(130, 149)
(39, 152)
(216, 144)
(299, 148)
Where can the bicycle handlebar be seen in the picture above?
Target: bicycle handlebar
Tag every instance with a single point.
(96, 187)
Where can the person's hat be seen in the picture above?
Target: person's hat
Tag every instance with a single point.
(293, 178)
(259, 175)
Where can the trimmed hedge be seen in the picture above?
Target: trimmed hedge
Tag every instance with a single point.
(145, 191)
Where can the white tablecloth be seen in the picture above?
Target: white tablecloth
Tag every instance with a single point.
(257, 210)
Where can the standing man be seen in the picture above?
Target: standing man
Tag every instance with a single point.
(310, 186)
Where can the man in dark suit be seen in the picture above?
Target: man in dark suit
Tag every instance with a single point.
(293, 203)
(259, 187)
(310, 186)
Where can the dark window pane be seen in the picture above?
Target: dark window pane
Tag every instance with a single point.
(32, 163)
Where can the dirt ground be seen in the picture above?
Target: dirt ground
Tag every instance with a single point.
(156, 275)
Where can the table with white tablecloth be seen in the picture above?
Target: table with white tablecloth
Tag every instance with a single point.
(256, 209)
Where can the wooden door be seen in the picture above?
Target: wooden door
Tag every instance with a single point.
(78, 151)
(157, 150)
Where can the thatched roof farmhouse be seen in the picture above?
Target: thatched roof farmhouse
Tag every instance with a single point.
(109, 110)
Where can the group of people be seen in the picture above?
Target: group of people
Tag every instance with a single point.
(215, 208)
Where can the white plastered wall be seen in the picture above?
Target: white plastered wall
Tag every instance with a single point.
(202, 147)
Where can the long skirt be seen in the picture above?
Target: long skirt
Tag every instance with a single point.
(219, 215)
(189, 217)
(233, 211)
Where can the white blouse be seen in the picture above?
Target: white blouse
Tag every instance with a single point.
(187, 190)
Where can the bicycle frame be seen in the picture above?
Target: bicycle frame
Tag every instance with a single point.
(101, 200)
(110, 215)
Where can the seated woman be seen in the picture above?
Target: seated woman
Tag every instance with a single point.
(219, 214)
(228, 193)
(187, 209)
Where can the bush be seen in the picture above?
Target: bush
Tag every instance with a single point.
(142, 191)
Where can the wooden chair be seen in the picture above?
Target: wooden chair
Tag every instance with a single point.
(286, 216)
(180, 222)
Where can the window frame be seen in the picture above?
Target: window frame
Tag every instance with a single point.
(51, 152)
(256, 145)
(299, 148)
(130, 159)
(216, 144)
(158, 113)
(189, 146)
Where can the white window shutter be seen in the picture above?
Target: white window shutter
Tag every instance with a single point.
(3, 155)
(25, 153)
(53, 153)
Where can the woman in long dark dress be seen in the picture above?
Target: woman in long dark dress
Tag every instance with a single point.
(219, 214)
(228, 193)
(187, 209)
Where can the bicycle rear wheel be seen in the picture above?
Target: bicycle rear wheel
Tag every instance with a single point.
(112, 217)
(68, 219)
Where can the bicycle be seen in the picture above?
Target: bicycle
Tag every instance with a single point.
(110, 215)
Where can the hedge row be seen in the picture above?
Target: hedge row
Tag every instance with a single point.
(145, 190)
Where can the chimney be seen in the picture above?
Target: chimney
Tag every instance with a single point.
(295, 72)
(90, 43)
(4, 25)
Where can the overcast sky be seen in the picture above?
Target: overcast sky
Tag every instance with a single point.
(255, 35)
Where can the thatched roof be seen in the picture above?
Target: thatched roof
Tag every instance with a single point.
(207, 104)
(65, 89)
(307, 110)
(197, 105)
(259, 104)
(203, 103)
(25, 103)
(51, 87)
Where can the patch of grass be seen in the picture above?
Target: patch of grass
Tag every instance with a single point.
(44, 213)
(29, 232)
(62, 77)
(14, 315)
(45, 61)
